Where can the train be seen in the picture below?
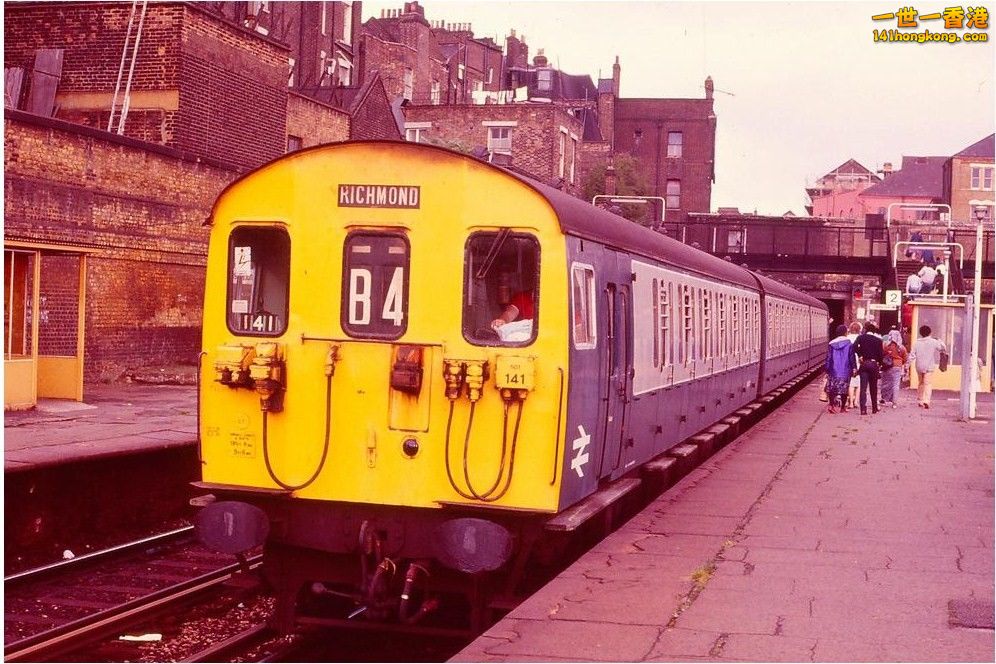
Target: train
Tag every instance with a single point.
(414, 362)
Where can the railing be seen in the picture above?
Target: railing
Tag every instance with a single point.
(782, 239)
(805, 240)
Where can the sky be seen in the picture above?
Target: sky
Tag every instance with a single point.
(801, 87)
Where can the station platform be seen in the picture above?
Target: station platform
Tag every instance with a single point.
(113, 420)
(812, 537)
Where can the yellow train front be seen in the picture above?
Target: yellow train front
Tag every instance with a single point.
(355, 398)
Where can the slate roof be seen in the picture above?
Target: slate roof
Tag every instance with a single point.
(919, 176)
(849, 166)
(983, 148)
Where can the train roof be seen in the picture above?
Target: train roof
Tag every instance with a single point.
(582, 219)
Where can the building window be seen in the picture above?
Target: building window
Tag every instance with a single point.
(345, 69)
(562, 145)
(417, 132)
(347, 23)
(460, 71)
(982, 177)
(574, 157)
(323, 9)
(674, 141)
(500, 139)
(673, 194)
(434, 95)
(491, 75)
(544, 79)
(294, 143)
(637, 137)
(322, 63)
(290, 72)
(409, 83)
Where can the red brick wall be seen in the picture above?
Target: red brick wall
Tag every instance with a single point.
(655, 118)
(143, 208)
(201, 84)
(535, 139)
(373, 117)
(315, 123)
(233, 93)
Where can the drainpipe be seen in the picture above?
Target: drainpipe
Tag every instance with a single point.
(657, 161)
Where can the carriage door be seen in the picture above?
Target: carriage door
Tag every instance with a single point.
(616, 386)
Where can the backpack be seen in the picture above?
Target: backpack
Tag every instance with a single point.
(944, 361)
(887, 361)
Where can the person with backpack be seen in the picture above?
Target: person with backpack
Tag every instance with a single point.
(894, 358)
(927, 356)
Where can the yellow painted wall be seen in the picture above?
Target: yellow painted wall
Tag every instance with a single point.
(58, 378)
(19, 384)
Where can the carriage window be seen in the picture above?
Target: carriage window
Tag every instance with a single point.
(375, 286)
(501, 289)
(583, 306)
(258, 281)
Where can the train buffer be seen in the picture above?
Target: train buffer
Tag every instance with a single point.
(812, 537)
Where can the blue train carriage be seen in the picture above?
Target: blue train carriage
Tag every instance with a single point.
(413, 360)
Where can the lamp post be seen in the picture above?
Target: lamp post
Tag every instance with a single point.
(980, 218)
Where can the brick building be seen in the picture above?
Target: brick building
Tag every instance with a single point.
(201, 85)
(675, 143)
(835, 194)
(540, 140)
(969, 183)
(209, 98)
(428, 63)
(138, 210)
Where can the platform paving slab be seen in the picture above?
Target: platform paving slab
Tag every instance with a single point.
(812, 537)
(113, 419)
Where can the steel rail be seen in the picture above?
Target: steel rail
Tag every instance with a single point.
(71, 636)
(97, 556)
(220, 651)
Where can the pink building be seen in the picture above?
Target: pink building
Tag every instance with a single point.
(920, 182)
(837, 194)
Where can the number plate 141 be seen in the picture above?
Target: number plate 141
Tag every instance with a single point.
(514, 373)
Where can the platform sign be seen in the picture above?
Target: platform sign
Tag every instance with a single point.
(893, 298)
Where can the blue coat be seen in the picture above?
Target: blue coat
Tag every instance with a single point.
(841, 360)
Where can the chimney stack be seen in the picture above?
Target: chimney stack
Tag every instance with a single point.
(616, 76)
(540, 59)
(708, 87)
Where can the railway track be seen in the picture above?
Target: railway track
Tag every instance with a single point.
(68, 606)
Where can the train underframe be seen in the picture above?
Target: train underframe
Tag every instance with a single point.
(408, 568)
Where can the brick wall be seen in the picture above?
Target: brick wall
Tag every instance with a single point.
(314, 122)
(535, 138)
(143, 208)
(958, 189)
(201, 84)
(233, 93)
(372, 116)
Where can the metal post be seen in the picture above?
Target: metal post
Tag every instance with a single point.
(967, 393)
(977, 296)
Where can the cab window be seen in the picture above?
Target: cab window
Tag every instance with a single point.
(501, 289)
(258, 281)
(375, 285)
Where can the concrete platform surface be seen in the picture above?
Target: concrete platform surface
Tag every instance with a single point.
(812, 537)
(113, 419)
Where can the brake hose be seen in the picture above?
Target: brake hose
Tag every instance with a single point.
(325, 447)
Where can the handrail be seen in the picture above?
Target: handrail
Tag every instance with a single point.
(930, 246)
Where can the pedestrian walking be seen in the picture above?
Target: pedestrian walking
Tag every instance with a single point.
(853, 330)
(894, 358)
(868, 348)
(927, 275)
(926, 358)
(840, 366)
